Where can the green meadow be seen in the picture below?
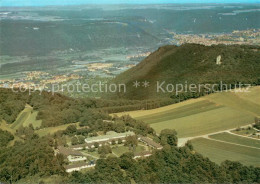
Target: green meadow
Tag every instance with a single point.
(219, 151)
(236, 139)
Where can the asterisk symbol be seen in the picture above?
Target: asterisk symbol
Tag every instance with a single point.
(136, 84)
(145, 84)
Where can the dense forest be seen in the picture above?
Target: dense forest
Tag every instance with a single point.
(34, 156)
(58, 109)
(5, 138)
(192, 64)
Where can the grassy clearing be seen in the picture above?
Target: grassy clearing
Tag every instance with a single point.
(27, 117)
(22, 117)
(236, 139)
(52, 130)
(32, 120)
(7, 127)
(206, 122)
(219, 152)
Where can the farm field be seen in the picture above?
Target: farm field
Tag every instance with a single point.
(205, 115)
(234, 100)
(219, 152)
(236, 139)
(247, 132)
(252, 96)
(206, 122)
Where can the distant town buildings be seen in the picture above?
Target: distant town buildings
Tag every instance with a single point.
(244, 37)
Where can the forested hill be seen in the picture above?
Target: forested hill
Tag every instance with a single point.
(192, 63)
(57, 109)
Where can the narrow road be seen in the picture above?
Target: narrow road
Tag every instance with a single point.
(233, 143)
(183, 141)
(243, 136)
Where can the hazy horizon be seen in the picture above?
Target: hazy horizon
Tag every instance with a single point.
(26, 3)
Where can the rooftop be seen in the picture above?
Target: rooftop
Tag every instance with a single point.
(109, 136)
(141, 154)
(150, 142)
(68, 151)
(76, 165)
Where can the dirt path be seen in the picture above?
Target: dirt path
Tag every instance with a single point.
(91, 155)
(183, 141)
(243, 136)
(233, 143)
(115, 154)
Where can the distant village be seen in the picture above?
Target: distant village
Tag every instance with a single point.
(247, 37)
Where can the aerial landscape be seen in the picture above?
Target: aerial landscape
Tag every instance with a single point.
(127, 91)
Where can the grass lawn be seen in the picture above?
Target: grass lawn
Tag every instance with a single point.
(119, 150)
(93, 154)
(236, 139)
(219, 152)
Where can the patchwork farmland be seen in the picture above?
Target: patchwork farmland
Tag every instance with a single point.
(209, 114)
(209, 122)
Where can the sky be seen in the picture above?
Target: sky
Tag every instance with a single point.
(78, 2)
